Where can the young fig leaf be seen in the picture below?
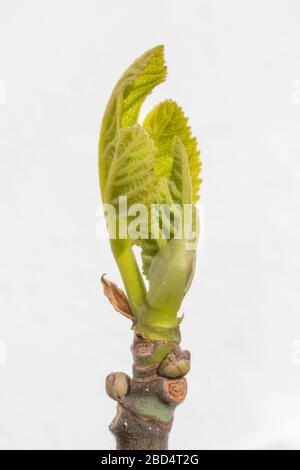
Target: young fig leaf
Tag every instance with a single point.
(131, 167)
(126, 99)
(163, 123)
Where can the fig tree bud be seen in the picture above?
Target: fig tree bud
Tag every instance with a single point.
(176, 365)
(117, 385)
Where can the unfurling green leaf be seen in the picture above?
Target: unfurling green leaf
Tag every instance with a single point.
(170, 268)
(175, 192)
(163, 123)
(127, 97)
(180, 182)
(130, 167)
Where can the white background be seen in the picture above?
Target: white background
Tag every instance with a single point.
(234, 67)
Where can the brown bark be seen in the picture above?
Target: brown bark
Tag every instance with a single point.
(133, 432)
(146, 406)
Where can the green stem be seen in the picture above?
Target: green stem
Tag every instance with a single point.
(130, 272)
